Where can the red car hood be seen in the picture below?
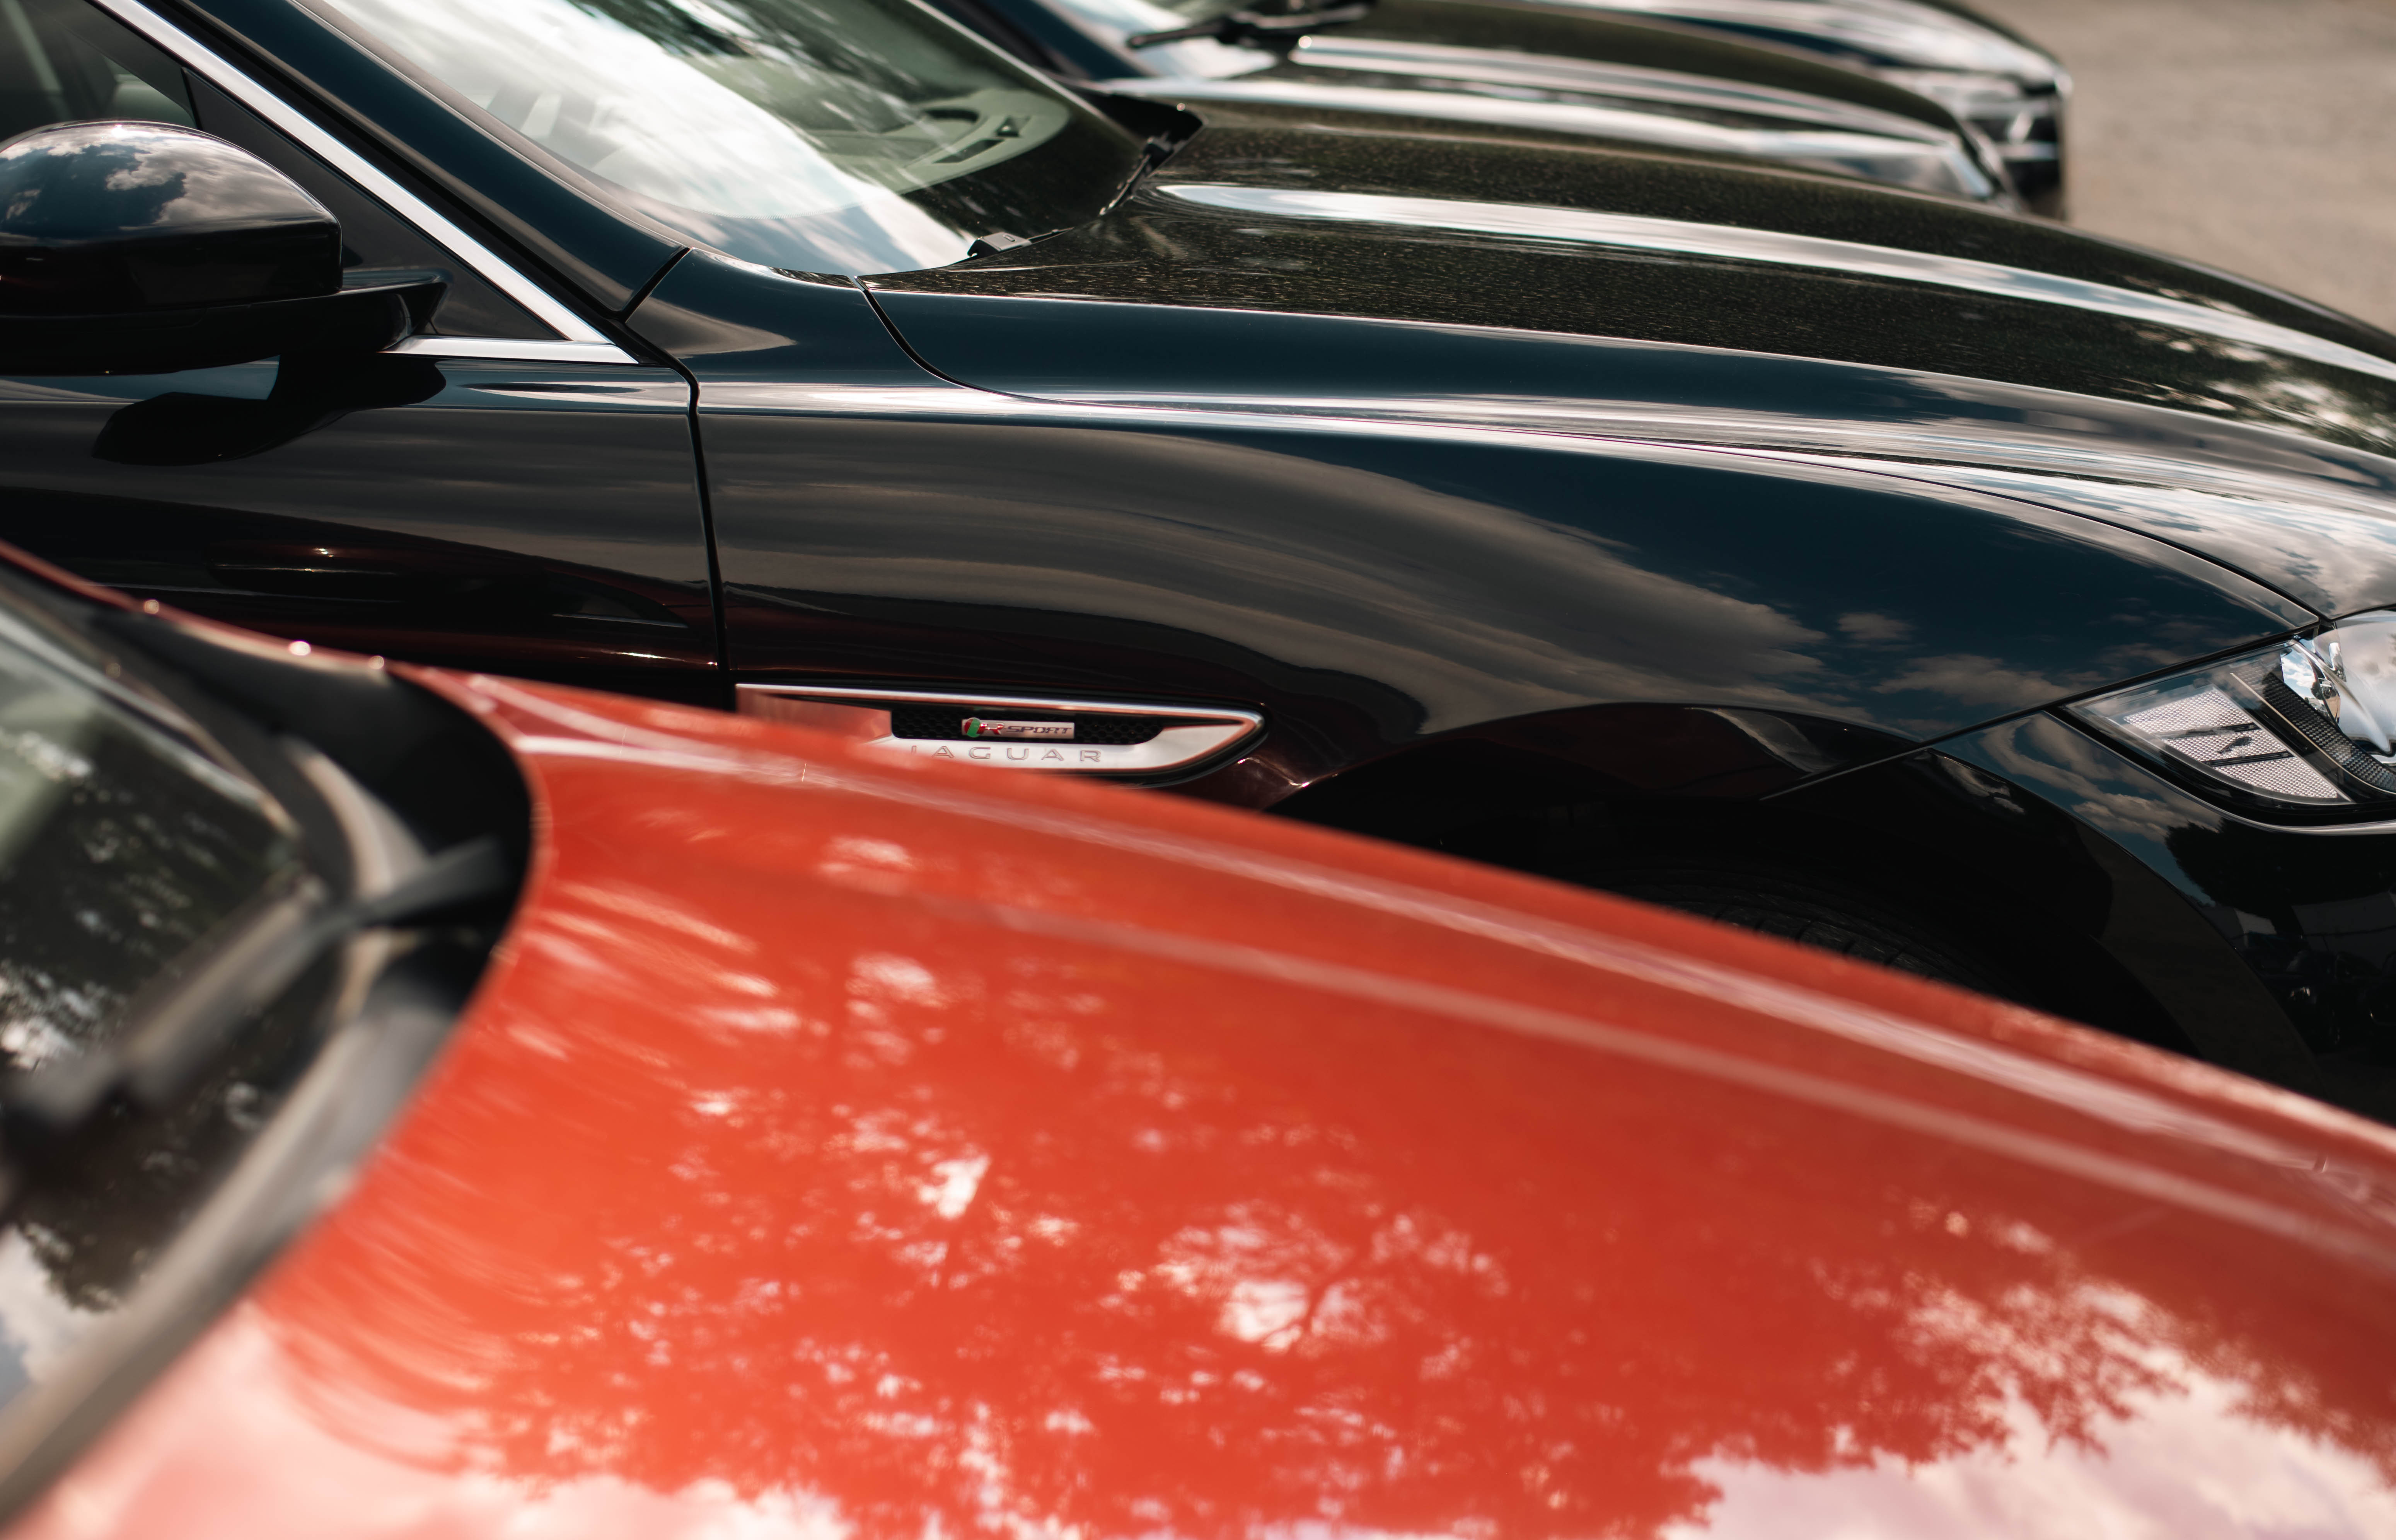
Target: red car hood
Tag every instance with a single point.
(865, 1153)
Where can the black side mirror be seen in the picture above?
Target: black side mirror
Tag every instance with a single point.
(143, 248)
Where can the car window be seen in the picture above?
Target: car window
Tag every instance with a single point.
(1194, 55)
(128, 849)
(122, 846)
(62, 61)
(824, 136)
(374, 240)
(65, 61)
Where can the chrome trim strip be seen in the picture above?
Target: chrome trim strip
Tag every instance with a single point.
(517, 350)
(1025, 703)
(862, 715)
(189, 51)
(1684, 238)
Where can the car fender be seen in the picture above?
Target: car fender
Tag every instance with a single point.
(1372, 583)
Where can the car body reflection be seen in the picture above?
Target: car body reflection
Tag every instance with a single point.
(968, 1188)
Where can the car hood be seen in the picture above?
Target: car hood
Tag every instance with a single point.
(1884, 35)
(839, 1151)
(1994, 78)
(1573, 73)
(1524, 90)
(1300, 260)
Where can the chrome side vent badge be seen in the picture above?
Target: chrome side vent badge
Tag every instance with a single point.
(981, 727)
(1106, 737)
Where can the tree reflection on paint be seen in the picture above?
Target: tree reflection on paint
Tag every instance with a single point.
(1125, 1248)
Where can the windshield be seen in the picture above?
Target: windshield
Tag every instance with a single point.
(121, 845)
(1118, 19)
(820, 136)
(126, 847)
(1207, 10)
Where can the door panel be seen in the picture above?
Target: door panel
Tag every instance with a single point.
(535, 519)
(531, 518)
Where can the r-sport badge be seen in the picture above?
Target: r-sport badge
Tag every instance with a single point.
(1180, 738)
(982, 727)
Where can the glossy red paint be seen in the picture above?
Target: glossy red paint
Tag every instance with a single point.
(841, 1150)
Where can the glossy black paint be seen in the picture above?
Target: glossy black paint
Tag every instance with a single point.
(1158, 251)
(1573, 31)
(1563, 32)
(1950, 844)
(142, 248)
(1561, 74)
(538, 519)
(1490, 360)
(2291, 973)
(2012, 89)
(103, 217)
(1467, 790)
(1483, 521)
(1369, 588)
(355, 323)
(1942, 34)
(2180, 437)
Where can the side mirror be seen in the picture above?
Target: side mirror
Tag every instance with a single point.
(143, 248)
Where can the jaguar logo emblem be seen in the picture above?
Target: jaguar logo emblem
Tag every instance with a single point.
(1032, 755)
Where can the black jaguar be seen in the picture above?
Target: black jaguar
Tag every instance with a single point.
(1921, 94)
(1933, 583)
(1565, 70)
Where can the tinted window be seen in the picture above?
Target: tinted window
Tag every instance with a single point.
(127, 849)
(372, 237)
(122, 846)
(1196, 56)
(62, 61)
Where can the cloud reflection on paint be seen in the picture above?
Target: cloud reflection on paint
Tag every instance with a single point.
(1006, 1259)
(80, 180)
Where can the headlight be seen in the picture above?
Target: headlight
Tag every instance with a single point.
(2305, 726)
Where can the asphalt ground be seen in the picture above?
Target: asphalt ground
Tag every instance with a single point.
(2258, 136)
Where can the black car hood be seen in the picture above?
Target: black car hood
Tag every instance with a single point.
(1583, 75)
(1302, 261)
(1627, 106)
(1932, 35)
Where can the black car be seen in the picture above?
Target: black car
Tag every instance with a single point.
(1990, 75)
(1564, 69)
(1938, 585)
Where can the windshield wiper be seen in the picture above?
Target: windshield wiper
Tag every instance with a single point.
(178, 1031)
(1247, 26)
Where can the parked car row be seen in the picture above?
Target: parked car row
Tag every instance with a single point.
(1772, 542)
(1644, 444)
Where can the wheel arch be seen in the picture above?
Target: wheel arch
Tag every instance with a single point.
(1567, 794)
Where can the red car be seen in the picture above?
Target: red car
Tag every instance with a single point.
(515, 1112)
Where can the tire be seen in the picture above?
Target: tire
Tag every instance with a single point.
(1812, 912)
